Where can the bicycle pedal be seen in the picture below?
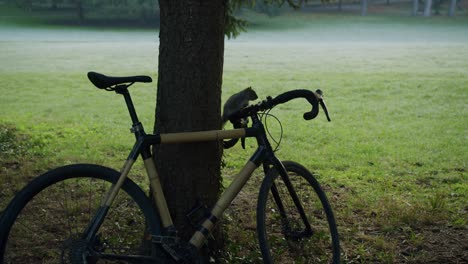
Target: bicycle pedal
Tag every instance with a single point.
(165, 240)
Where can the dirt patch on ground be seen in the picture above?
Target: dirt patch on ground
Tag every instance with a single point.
(438, 245)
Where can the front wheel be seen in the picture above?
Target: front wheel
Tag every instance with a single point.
(293, 233)
(45, 221)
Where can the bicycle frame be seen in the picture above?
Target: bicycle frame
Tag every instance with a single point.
(263, 155)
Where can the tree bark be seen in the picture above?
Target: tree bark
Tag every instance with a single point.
(191, 50)
(428, 8)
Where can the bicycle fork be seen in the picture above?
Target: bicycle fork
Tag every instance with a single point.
(283, 174)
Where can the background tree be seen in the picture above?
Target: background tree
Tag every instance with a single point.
(415, 7)
(79, 10)
(363, 7)
(428, 8)
(453, 5)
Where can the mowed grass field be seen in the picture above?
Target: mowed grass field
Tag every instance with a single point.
(392, 161)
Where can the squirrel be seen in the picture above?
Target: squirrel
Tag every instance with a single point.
(238, 101)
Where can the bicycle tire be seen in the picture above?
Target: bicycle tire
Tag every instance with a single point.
(54, 238)
(290, 241)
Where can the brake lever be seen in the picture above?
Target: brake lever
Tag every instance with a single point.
(319, 94)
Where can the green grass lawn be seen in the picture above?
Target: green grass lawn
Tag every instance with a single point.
(393, 159)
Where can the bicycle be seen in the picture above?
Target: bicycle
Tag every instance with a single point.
(108, 218)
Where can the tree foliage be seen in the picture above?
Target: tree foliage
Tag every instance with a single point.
(235, 25)
(148, 10)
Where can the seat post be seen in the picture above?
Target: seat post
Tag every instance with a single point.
(128, 100)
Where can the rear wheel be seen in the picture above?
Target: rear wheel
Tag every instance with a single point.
(45, 221)
(284, 235)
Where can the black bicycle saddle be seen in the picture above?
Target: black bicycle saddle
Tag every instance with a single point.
(102, 81)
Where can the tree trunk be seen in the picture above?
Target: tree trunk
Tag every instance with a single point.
(428, 8)
(453, 5)
(415, 7)
(191, 50)
(363, 7)
(79, 10)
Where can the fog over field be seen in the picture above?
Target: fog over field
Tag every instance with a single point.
(309, 44)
